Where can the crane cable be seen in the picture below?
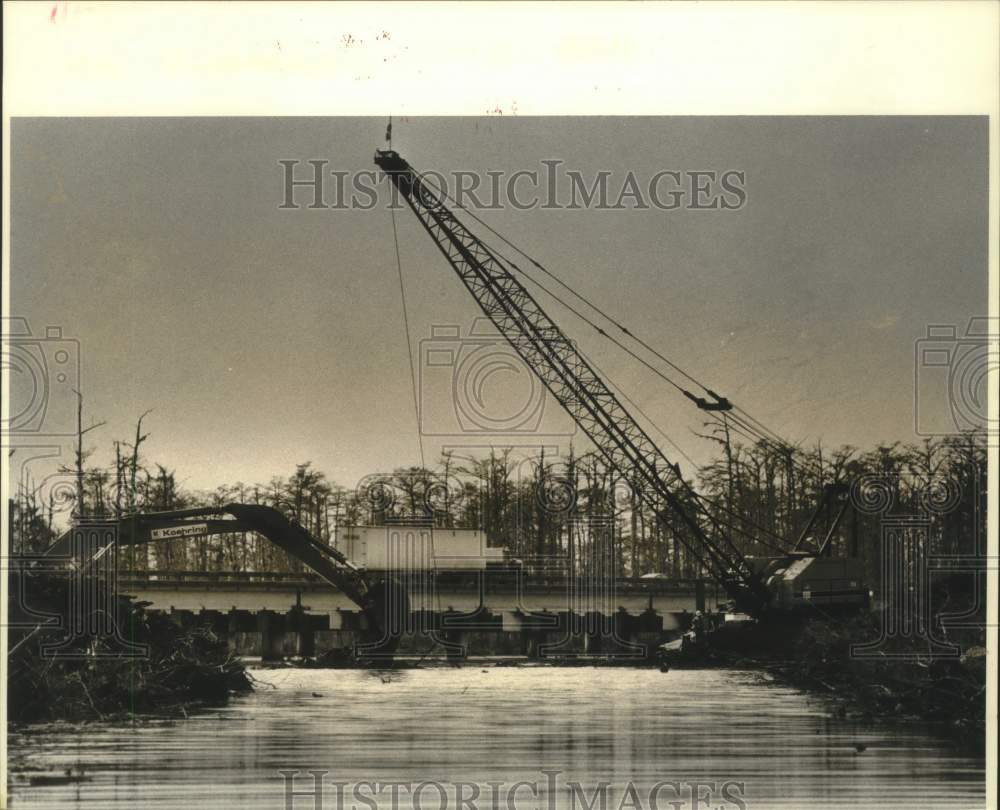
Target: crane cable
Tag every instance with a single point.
(699, 498)
(763, 430)
(615, 341)
(746, 422)
(744, 429)
(743, 425)
(436, 593)
(409, 343)
(750, 427)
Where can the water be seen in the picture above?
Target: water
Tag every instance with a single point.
(775, 746)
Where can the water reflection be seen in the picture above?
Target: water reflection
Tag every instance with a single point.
(496, 724)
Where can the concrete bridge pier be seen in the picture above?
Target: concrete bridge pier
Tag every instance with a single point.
(270, 625)
(450, 637)
(242, 632)
(531, 640)
(597, 631)
(455, 650)
(301, 625)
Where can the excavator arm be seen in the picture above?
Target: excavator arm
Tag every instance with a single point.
(383, 603)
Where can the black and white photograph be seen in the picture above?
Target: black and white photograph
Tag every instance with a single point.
(500, 406)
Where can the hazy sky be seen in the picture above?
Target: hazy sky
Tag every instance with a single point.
(263, 337)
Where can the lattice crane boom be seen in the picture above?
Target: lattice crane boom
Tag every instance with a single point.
(573, 382)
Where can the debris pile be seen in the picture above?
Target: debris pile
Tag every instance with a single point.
(901, 678)
(101, 677)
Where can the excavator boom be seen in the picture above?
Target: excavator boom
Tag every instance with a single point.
(380, 602)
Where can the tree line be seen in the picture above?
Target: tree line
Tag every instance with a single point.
(550, 513)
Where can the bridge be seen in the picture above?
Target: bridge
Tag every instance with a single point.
(492, 611)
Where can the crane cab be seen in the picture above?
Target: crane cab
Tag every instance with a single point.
(799, 581)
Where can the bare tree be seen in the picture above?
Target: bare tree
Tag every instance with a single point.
(80, 455)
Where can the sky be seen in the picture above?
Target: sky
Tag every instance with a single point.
(262, 337)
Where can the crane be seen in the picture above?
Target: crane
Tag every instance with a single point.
(752, 585)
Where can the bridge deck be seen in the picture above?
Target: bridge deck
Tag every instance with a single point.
(497, 591)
